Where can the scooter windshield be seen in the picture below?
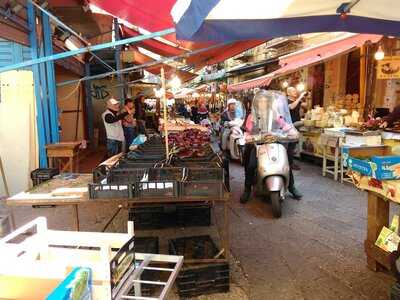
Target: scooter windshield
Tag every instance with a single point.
(270, 112)
(239, 111)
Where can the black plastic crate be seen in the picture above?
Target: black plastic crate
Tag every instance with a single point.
(147, 245)
(151, 217)
(125, 163)
(126, 175)
(165, 216)
(107, 191)
(203, 182)
(43, 174)
(157, 189)
(100, 173)
(199, 279)
(197, 214)
(202, 188)
(166, 174)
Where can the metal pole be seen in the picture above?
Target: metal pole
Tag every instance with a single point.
(87, 49)
(35, 68)
(65, 26)
(44, 97)
(51, 80)
(118, 62)
(89, 105)
(164, 96)
(149, 64)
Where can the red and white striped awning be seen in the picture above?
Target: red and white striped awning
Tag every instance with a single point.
(264, 80)
(307, 57)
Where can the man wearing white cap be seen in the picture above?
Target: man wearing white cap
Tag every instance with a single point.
(229, 114)
(113, 123)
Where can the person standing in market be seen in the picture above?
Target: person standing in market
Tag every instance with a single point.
(295, 102)
(112, 120)
(140, 112)
(129, 122)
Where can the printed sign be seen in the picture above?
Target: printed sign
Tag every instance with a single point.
(121, 263)
(388, 68)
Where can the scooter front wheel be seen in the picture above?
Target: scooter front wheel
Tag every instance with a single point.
(276, 204)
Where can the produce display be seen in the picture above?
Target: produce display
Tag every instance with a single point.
(190, 143)
(331, 117)
(181, 125)
(371, 125)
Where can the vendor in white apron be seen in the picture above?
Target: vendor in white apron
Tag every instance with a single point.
(113, 124)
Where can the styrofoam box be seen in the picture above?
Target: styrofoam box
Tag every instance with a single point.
(360, 140)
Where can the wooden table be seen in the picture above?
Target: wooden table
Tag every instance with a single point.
(41, 196)
(378, 216)
(66, 154)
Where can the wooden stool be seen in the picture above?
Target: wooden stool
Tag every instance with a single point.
(329, 142)
(65, 154)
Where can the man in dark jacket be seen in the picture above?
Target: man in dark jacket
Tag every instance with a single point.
(140, 112)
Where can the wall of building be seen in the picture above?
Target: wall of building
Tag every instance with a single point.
(335, 79)
(71, 107)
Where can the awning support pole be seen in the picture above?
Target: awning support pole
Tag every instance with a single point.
(87, 49)
(36, 77)
(89, 105)
(51, 80)
(164, 98)
(118, 62)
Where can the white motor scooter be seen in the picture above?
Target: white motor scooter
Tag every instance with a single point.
(273, 170)
(233, 140)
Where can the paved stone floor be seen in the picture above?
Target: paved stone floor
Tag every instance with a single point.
(315, 251)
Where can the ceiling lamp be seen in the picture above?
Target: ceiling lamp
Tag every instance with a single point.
(379, 54)
(300, 87)
(175, 83)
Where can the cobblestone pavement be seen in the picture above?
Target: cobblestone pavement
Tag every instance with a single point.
(315, 251)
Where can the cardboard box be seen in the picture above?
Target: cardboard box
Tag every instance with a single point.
(378, 167)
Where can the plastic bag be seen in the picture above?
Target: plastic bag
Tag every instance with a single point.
(140, 139)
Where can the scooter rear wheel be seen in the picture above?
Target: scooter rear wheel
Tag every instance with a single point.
(276, 204)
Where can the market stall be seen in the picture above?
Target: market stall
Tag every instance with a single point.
(375, 169)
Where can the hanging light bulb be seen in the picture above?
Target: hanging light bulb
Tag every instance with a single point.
(300, 87)
(285, 84)
(158, 92)
(175, 82)
(379, 54)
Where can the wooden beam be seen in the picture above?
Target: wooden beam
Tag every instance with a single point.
(363, 77)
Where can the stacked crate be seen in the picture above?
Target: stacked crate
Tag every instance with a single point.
(202, 278)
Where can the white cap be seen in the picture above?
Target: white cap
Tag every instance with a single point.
(231, 101)
(112, 101)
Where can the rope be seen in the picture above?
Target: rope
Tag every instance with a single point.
(72, 92)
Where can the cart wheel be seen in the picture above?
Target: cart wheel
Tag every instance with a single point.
(276, 204)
